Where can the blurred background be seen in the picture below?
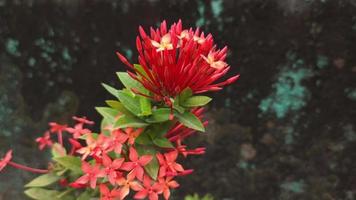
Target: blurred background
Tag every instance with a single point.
(285, 130)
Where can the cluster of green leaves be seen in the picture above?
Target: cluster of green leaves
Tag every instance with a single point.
(127, 110)
(130, 109)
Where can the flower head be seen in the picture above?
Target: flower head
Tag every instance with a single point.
(175, 59)
(44, 141)
(136, 163)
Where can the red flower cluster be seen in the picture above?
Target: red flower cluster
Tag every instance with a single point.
(134, 155)
(112, 161)
(178, 58)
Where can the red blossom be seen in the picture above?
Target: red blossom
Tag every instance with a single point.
(4, 161)
(127, 184)
(176, 59)
(137, 163)
(166, 184)
(55, 127)
(83, 120)
(111, 168)
(168, 164)
(150, 189)
(91, 174)
(44, 141)
(78, 130)
(117, 138)
(106, 194)
(133, 134)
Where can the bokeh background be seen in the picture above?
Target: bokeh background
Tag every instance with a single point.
(285, 130)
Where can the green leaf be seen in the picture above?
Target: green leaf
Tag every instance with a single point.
(42, 194)
(163, 142)
(185, 94)
(145, 105)
(70, 162)
(196, 101)
(108, 113)
(144, 139)
(64, 195)
(159, 115)
(131, 103)
(152, 167)
(118, 106)
(43, 180)
(189, 120)
(129, 82)
(159, 129)
(177, 107)
(58, 150)
(84, 196)
(128, 121)
(103, 126)
(110, 89)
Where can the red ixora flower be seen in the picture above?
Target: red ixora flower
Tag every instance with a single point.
(5, 160)
(136, 163)
(91, 175)
(175, 59)
(44, 141)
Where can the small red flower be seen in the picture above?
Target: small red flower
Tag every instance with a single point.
(44, 141)
(83, 120)
(150, 189)
(137, 163)
(166, 184)
(55, 127)
(106, 194)
(133, 134)
(168, 164)
(111, 167)
(4, 161)
(117, 138)
(91, 175)
(127, 184)
(78, 130)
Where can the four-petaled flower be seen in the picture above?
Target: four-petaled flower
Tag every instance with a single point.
(150, 190)
(168, 164)
(136, 163)
(111, 168)
(106, 194)
(166, 184)
(127, 184)
(44, 141)
(91, 175)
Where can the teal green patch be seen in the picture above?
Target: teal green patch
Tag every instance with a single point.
(289, 94)
(294, 186)
(201, 10)
(351, 93)
(31, 61)
(128, 53)
(243, 165)
(322, 61)
(217, 7)
(12, 46)
(65, 54)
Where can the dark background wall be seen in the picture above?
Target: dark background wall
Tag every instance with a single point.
(285, 130)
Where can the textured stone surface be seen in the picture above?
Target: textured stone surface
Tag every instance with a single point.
(285, 130)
